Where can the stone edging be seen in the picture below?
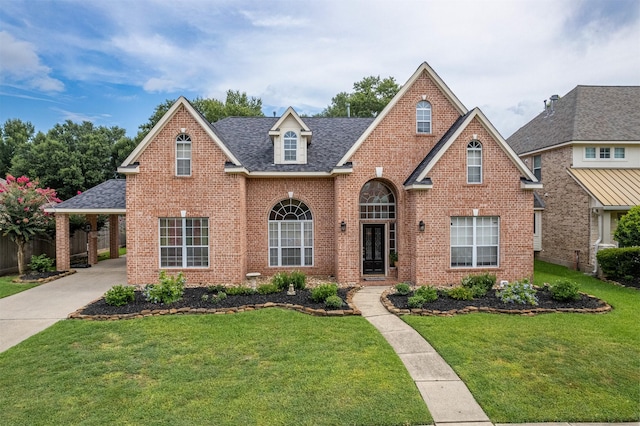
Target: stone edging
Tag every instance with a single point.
(45, 280)
(220, 311)
(605, 307)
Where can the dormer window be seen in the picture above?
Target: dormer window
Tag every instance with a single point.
(423, 117)
(290, 146)
(183, 155)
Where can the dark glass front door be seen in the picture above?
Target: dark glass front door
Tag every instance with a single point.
(373, 249)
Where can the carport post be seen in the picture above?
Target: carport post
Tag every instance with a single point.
(63, 245)
(114, 236)
(93, 239)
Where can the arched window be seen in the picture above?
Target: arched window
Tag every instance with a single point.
(474, 162)
(183, 155)
(423, 117)
(290, 234)
(378, 202)
(290, 146)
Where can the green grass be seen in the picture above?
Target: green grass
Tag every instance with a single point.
(105, 254)
(551, 367)
(266, 367)
(7, 287)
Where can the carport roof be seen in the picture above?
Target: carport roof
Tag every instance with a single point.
(106, 198)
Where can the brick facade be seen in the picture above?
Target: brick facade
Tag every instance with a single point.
(238, 204)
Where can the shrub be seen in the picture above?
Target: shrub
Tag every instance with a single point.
(403, 289)
(415, 302)
(119, 295)
(323, 291)
(299, 280)
(218, 297)
(204, 297)
(518, 292)
(268, 289)
(461, 293)
(333, 302)
(428, 293)
(479, 284)
(240, 291)
(216, 288)
(41, 263)
(627, 233)
(281, 280)
(617, 263)
(564, 290)
(170, 289)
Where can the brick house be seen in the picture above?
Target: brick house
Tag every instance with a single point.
(426, 179)
(585, 149)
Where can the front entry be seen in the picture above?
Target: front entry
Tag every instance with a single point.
(373, 250)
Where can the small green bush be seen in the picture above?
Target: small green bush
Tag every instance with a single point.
(479, 284)
(520, 292)
(218, 297)
(281, 280)
(170, 289)
(460, 293)
(403, 289)
(564, 290)
(268, 289)
(333, 302)
(240, 291)
(216, 288)
(323, 291)
(119, 295)
(616, 263)
(415, 302)
(204, 297)
(299, 280)
(627, 233)
(428, 293)
(41, 263)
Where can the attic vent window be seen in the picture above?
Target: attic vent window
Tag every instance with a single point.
(290, 146)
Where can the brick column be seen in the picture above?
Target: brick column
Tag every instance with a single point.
(114, 236)
(63, 249)
(93, 239)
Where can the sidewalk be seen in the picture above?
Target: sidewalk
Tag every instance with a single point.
(29, 312)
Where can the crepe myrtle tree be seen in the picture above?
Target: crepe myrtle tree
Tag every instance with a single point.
(22, 215)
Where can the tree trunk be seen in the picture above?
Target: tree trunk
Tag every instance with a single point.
(21, 266)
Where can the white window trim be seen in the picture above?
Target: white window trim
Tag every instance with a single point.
(430, 120)
(305, 225)
(186, 141)
(475, 148)
(534, 168)
(285, 150)
(474, 246)
(612, 153)
(184, 245)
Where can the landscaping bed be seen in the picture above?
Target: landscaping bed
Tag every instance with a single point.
(445, 305)
(42, 277)
(198, 300)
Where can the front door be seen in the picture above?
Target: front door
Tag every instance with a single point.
(373, 249)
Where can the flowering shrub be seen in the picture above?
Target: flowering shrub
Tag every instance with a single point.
(22, 214)
(518, 292)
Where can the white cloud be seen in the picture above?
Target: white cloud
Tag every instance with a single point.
(21, 66)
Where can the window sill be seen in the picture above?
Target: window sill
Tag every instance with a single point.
(421, 135)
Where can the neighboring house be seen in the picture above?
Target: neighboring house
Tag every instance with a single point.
(426, 178)
(585, 149)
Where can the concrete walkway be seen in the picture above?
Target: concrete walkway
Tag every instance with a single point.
(31, 311)
(446, 396)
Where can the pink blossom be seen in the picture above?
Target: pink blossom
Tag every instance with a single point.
(25, 220)
(10, 179)
(20, 200)
(23, 179)
(26, 209)
(79, 192)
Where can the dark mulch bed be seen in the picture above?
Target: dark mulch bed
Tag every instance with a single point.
(632, 282)
(445, 303)
(41, 276)
(192, 298)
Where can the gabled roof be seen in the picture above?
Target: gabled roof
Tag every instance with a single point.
(424, 67)
(610, 187)
(108, 197)
(585, 114)
(290, 112)
(421, 174)
(128, 164)
(248, 139)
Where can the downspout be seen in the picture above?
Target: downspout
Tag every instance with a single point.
(597, 245)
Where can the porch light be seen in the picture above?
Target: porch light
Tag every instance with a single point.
(421, 226)
(343, 226)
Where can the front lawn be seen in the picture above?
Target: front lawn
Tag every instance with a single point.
(7, 287)
(265, 367)
(551, 367)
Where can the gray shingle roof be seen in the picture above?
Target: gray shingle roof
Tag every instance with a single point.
(107, 195)
(248, 139)
(586, 113)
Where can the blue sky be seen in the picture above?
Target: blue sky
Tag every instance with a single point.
(111, 62)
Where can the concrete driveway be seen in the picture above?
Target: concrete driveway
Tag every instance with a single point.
(29, 312)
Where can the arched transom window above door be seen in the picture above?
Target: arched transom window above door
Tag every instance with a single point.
(377, 201)
(290, 234)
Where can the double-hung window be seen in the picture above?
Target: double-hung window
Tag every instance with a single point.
(474, 162)
(475, 241)
(290, 146)
(290, 234)
(183, 155)
(184, 242)
(537, 167)
(423, 117)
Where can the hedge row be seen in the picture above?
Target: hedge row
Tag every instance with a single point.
(620, 262)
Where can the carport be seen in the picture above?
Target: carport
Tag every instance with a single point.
(107, 198)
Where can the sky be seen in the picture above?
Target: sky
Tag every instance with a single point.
(112, 62)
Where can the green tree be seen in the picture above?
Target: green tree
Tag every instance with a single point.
(22, 214)
(15, 134)
(369, 97)
(628, 231)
